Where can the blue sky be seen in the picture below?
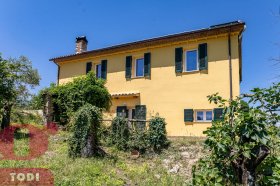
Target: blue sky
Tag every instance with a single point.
(41, 30)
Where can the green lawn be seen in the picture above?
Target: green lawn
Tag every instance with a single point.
(116, 168)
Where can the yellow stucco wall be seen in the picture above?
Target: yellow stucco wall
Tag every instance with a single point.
(168, 93)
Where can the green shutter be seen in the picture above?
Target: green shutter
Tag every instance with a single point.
(104, 69)
(203, 58)
(147, 64)
(188, 115)
(218, 114)
(140, 113)
(88, 67)
(128, 66)
(179, 60)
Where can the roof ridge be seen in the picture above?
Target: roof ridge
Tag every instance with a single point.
(213, 27)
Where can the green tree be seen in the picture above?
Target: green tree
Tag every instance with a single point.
(69, 97)
(16, 77)
(245, 143)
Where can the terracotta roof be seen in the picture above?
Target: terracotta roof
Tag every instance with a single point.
(236, 26)
(125, 94)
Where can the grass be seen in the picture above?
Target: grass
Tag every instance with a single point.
(116, 168)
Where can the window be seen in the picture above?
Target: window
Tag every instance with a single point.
(122, 111)
(209, 115)
(98, 70)
(139, 67)
(191, 61)
(204, 115)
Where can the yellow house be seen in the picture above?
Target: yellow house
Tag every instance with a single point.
(170, 75)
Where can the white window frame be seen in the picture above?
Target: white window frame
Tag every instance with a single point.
(186, 60)
(95, 70)
(135, 67)
(204, 115)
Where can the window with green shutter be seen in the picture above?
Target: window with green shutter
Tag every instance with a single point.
(179, 60)
(104, 69)
(88, 67)
(128, 66)
(218, 114)
(147, 64)
(203, 58)
(188, 115)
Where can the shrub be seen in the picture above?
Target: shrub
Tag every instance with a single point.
(84, 140)
(138, 140)
(157, 134)
(120, 133)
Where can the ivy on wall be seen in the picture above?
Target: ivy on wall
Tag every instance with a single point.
(69, 97)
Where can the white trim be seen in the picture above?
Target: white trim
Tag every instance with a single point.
(135, 67)
(185, 61)
(204, 115)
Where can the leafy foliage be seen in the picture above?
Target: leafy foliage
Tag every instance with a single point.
(209, 173)
(138, 140)
(16, 77)
(84, 140)
(69, 97)
(19, 116)
(120, 133)
(157, 133)
(244, 141)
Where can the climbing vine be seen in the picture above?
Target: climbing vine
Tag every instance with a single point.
(69, 97)
(84, 140)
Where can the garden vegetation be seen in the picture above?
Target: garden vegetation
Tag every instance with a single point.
(245, 144)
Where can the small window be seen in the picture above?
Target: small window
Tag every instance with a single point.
(199, 116)
(98, 70)
(191, 61)
(209, 115)
(139, 67)
(204, 115)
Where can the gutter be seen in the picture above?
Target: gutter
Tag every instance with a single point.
(240, 52)
(58, 73)
(230, 64)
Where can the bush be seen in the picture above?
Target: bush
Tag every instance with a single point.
(138, 140)
(157, 134)
(120, 133)
(84, 140)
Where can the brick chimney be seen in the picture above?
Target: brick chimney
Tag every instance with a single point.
(81, 44)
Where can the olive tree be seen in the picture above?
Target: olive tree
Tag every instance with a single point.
(16, 77)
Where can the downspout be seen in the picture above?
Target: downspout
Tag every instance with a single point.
(240, 52)
(230, 65)
(58, 73)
